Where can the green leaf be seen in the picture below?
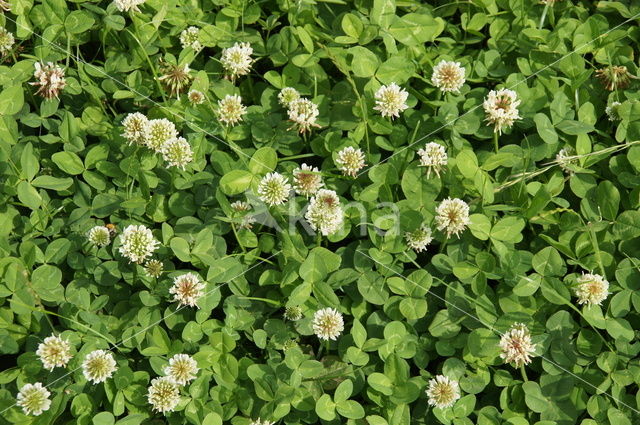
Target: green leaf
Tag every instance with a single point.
(68, 162)
(319, 263)
(350, 409)
(28, 195)
(326, 408)
(11, 100)
(103, 418)
(235, 182)
(364, 63)
(263, 161)
(414, 29)
(548, 262)
(545, 128)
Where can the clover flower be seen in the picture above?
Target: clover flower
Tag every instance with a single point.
(54, 352)
(6, 40)
(196, 97)
(240, 206)
(247, 222)
(613, 111)
(182, 369)
(304, 114)
(452, 216)
(189, 38)
(163, 394)
(501, 108)
(98, 366)
(128, 5)
(293, 313)
(175, 78)
(324, 213)
(153, 268)
(259, 422)
(231, 109)
(442, 392)
(565, 159)
(134, 128)
(516, 346)
(307, 180)
(288, 95)
(157, 132)
(614, 77)
(591, 289)
(391, 100)
(99, 236)
(50, 78)
(419, 239)
(5, 6)
(448, 76)
(434, 157)
(327, 323)
(274, 189)
(177, 152)
(187, 289)
(289, 344)
(236, 60)
(350, 160)
(137, 243)
(34, 399)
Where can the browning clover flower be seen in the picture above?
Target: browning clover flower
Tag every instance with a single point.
(231, 109)
(236, 60)
(163, 394)
(501, 108)
(50, 78)
(324, 213)
(189, 38)
(153, 268)
(327, 324)
(240, 206)
(54, 352)
(260, 422)
(350, 160)
(274, 189)
(196, 97)
(614, 77)
(419, 239)
(182, 369)
(34, 399)
(448, 76)
(128, 5)
(6, 40)
(613, 112)
(137, 243)
(177, 152)
(591, 289)
(5, 6)
(158, 132)
(434, 157)
(175, 77)
(98, 366)
(391, 100)
(452, 216)
(134, 128)
(303, 113)
(307, 180)
(187, 289)
(99, 236)
(442, 392)
(516, 345)
(565, 159)
(288, 95)
(293, 313)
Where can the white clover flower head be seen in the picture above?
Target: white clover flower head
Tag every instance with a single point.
(34, 399)
(274, 189)
(613, 112)
(261, 422)
(565, 159)
(157, 132)
(307, 180)
(4, 5)
(304, 114)
(153, 268)
(187, 289)
(452, 216)
(419, 239)
(350, 160)
(442, 392)
(137, 243)
(391, 100)
(177, 152)
(236, 60)
(501, 108)
(163, 394)
(175, 78)
(54, 352)
(134, 128)
(51, 80)
(288, 95)
(99, 236)
(6, 40)
(98, 366)
(324, 213)
(182, 369)
(128, 5)
(591, 289)
(615, 77)
(434, 157)
(195, 97)
(247, 222)
(293, 313)
(190, 38)
(328, 323)
(240, 206)
(231, 109)
(448, 76)
(515, 345)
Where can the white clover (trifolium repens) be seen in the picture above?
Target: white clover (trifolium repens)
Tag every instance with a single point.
(293, 313)
(153, 268)
(274, 189)
(307, 180)
(566, 159)
(419, 239)
(288, 95)
(501, 108)
(328, 323)
(391, 100)
(196, 97)
(231, 110)
(591, 289)
(6, 40)
(261, 422)
(51, 79)
(324, 213)
(187, 289)
(182, 369)
(99, 236)
(516, 346)
(304, 114)
(613, 111)
(442, 392)
(137, 243)
(350, 160)
(434, 157)
(157, 132)
(4, 5)
(236, 60)
(163, 394)
(452, 216)
(128, 5)
(240, 206)
(54, 352)
(134, 128)
(33, 399)
(177, 152)
(98, 366)
(190, 38)
(175, 78)
(448, 76)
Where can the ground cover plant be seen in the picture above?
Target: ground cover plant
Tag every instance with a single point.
(372, 212)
